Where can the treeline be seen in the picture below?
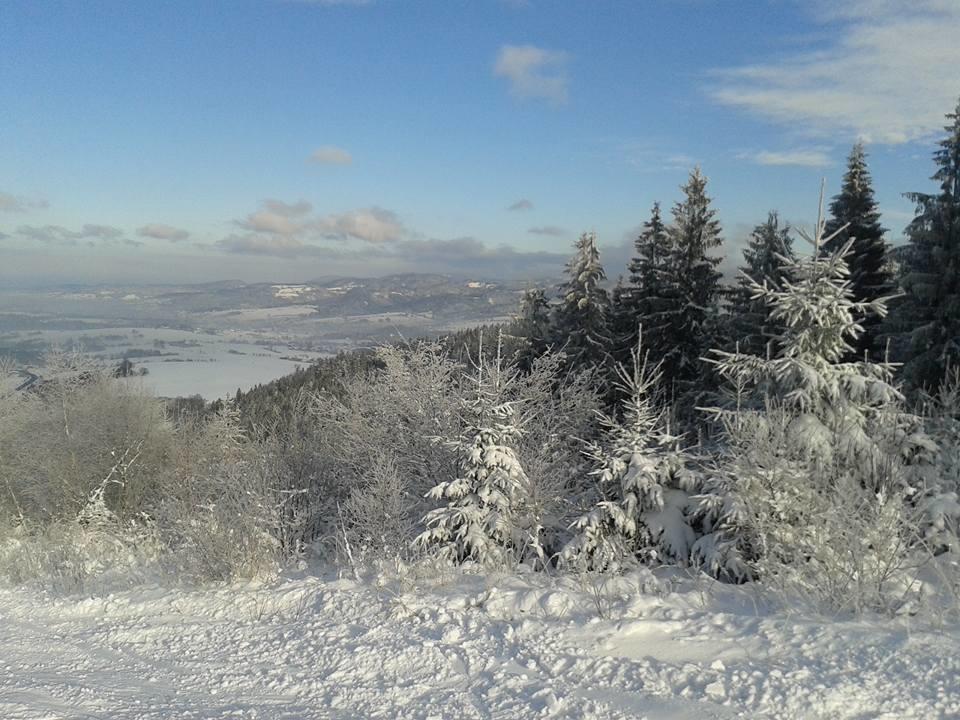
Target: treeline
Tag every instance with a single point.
(674, 291)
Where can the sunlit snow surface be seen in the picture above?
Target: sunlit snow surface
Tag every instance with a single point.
(462, 646)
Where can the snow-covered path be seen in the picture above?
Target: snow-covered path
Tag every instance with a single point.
(309, 647)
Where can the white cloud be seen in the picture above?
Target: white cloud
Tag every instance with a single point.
(889, 77)
(278, 217)
(291, 227)
(271, 222)
(522, 204)
(330, 155)
(163, 232)
(548, 230)
(801, 158)
(533, 72)
(374, 225)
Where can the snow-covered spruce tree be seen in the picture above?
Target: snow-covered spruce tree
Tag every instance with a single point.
(816, 489)
(486, 518)
(689, 319)
(644, 480)
(580, 320)
(929, 316)
(769, 247)
(854, 216)
(647, 290)
(533, 325)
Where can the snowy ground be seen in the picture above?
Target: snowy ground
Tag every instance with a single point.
(465, 647)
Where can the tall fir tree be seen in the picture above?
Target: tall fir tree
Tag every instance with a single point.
(533, 325)
(687, 325)
(768, 251)
(929, 315)
(644, 295)
(580, 322)
(854, 216)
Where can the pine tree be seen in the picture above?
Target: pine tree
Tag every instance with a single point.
(533, 325)
(689, 318)
(581, 320)
(487, 516)
(820, 459)
(647, 512)
(854, 216)
(642, 298)
(929, 315)
(769, 248)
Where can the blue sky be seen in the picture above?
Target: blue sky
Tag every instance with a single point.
(281, 140)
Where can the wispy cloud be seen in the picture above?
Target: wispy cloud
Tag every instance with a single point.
(160, 231)
(13, 203)
(59, 235)
(889, 77)
(330, 155)
(522, 204)
(462, 256)
(548, 230)
(801, 158)
(533, 72)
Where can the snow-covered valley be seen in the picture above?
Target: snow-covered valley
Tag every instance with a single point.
(463, 646)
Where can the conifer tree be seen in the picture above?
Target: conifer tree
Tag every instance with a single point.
(821, 461)
(643, 297)
(769, 248)
(854, 216)
(929, 315)
(533, 325)
(487, 517)
(690, 311)
(580, 324)
(646, 511)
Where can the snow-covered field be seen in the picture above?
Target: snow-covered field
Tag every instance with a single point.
(462, 646)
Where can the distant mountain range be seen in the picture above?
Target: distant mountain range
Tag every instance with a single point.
(440, 295)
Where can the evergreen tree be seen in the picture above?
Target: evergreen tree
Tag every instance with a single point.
(929, 316)
(647, 509)
(821, 461)
(854, 216)
(487, 517)
(580, 324)
(770, 247)
(622, 319)
(644, 295)
(533, 325)
(687, 325)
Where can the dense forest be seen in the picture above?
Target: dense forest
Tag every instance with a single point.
(800, 427)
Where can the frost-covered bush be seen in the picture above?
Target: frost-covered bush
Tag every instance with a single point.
(96, 483)
(646, 511)
(941, 501)
(556, 409)
(376, 439)
(219, 514)
(815, 490)
(488, 516)
(59, 441)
